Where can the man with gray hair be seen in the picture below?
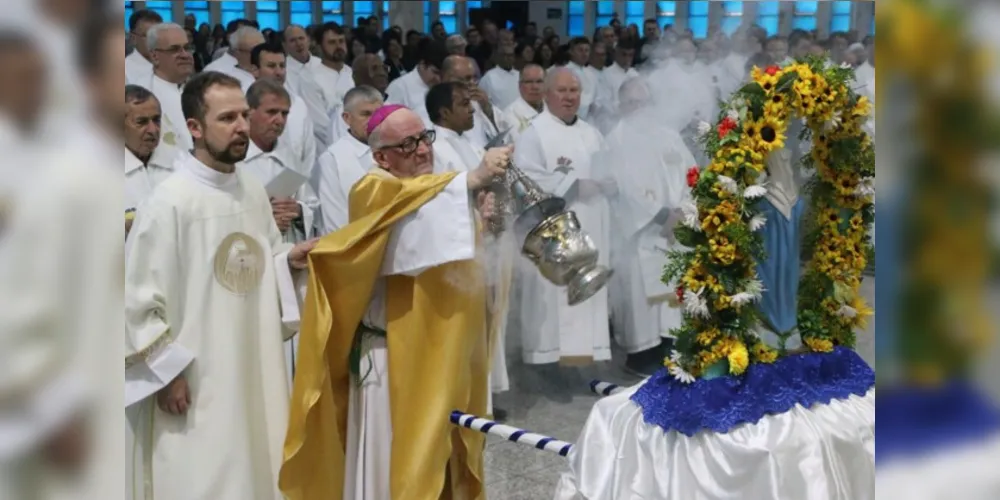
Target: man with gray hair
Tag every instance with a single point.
(456, 45)
(147, 161)
(558, 151)
(236, 62)
(173, 64)
(347, 160)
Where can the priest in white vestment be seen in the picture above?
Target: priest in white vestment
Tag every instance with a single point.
(651, 163)
(139, 64)
(606, 102)
(375, 283)
(500, 83)
(410, 89)
(173, 64)
(147, 160)
(302, 81)
(333, 75)
(346, 161)
(462, 69)
(238, 64)
(203, 265)
(579, 57)
(557, 151)
(531, 86)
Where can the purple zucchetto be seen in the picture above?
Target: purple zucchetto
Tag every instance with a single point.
(381, 114)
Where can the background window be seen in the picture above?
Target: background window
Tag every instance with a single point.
(666, 13)
(385, 16)
(301, 13)
(333, 12)
(267, 15)
(732, 17)
(200, 11)
(605, 13)
(166, 9)
(840, 20)
(427, 17)
(128, 13)
(362, 9)
(698, 19)
(805, 16)
(448, 17)
(769, 16)
(635, 13)
(231, 11)
(576, 18)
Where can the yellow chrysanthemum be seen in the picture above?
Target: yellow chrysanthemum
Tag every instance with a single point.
(863, 311)
(739, 358)
(706, 337)
(764, 354)
(818, 345)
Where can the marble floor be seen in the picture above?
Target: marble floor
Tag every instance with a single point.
(556, 402)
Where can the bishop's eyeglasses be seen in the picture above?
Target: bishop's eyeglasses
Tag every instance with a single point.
(409, 145)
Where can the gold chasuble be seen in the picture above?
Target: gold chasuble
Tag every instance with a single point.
(437, 353)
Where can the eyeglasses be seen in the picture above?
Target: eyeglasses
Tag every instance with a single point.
(410, 144)
(177, 49)
(532, 82)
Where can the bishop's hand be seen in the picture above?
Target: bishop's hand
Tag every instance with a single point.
(494, 164)
(298, 256)
(175, 398)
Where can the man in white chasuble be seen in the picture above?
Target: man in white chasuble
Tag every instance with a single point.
(203, 266)
(394, 334)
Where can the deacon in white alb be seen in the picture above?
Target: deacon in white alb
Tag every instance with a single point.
(147, 161)
(517, 117)
(500, 83)
(240, 44)
(173, 64)
(650, 168)
(557, 152)
(462, 69)
(202, 271)
(606, 105)
(333, 75)
(139, 64)
(410, 89)
(302, 81)
(579, 57)
(348, 160)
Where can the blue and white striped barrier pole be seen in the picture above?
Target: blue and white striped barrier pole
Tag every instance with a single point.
(538, 441)
(604, 388)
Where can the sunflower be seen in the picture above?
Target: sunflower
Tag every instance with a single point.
(764, 354)
(772, 134)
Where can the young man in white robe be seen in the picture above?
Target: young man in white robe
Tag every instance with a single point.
(406, 263)
(606, 102)
(299, 65)
(410, 89)
(139, 64)
(147, 160)
(241, 43)
(173, 64)
(333, 75)
(579, 57)
(462, 69)
(531, 86)
(500, 83)
(202, 270)
(346, 161)
(651, 163)
(557, 151)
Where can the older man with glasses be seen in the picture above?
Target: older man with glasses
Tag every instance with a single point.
(398, 288)
(173, 64)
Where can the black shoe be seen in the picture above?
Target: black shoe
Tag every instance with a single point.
(499, 414)
(646, 363)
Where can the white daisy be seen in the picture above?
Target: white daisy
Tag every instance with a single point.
(754, 192)
(866, 188)
(757, 222)
(680, 375)
(847, 311)
(690, 213)
(755, 288)
(704, 128)
(832, 123)
(742, 299)
(676, 357)
(733, 114)
(695, 305)
(729, 184)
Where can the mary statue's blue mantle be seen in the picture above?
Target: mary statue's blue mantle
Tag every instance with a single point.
(721, 404)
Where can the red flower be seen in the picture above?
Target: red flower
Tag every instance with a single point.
(693, 174)
(772, 70)
(726, 126)
(680, 294)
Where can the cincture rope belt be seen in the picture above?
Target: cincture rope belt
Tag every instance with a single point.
(538, 441)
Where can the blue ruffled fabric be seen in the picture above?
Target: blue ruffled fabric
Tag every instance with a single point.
(721, 404)
(914, 422)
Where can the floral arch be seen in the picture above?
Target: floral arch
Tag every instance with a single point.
(716, 275)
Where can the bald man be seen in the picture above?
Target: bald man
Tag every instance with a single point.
(370, 70)
(558, 151)
(531, 87)
(299, 65)
(398, 290)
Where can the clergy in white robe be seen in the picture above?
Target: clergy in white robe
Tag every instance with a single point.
(405, 263)
(139, 64)
(147, 161)
(516, 118)
(202, 270)
(333, 75)
(500, 83)
(346, 161)
(410, 89)
(579, 57)
(557, 152)
(606, 101)
(650, 166)
(236, 62)
(173, 64)
(462, 69)
(302, 82)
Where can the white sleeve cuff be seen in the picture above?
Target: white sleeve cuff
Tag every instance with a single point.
(163, 366)
(287, 294)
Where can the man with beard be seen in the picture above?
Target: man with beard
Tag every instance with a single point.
(202, 274)
(334, 76)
